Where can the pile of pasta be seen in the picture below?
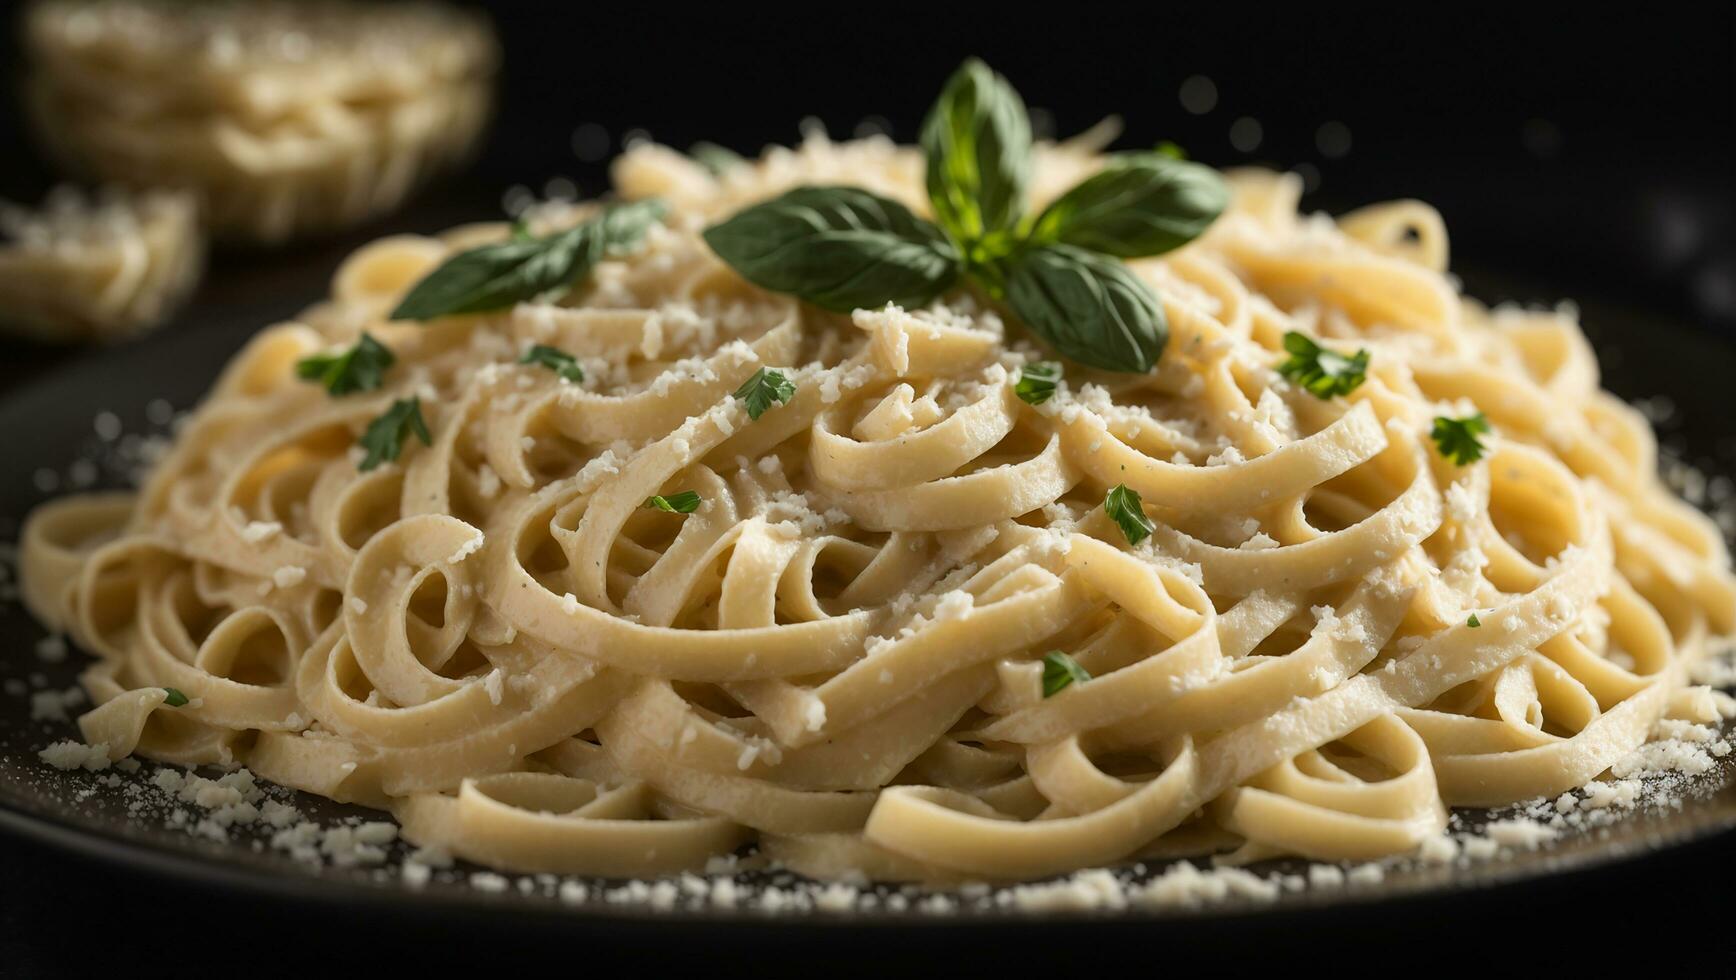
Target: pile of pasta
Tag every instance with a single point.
(1333, 635)
(287, 118)
(97, 267)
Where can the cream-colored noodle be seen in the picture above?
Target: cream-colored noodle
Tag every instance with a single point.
(838, 656)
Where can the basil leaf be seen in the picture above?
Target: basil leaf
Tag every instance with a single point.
(977, 143)
(174, 698)
(496, 276)
(837, 247)
(1087, 306)
(1140, 204)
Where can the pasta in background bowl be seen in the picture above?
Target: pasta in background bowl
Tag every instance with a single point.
(98, 267)
(287, 119)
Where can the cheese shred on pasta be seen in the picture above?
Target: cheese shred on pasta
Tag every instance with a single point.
(839, 656)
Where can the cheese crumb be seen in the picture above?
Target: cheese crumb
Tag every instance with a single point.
(71, 754)
(1523, 834)
(466, 549)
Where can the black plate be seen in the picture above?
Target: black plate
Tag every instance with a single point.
(47, 422)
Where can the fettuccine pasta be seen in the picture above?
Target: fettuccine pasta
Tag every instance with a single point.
(1333, 635)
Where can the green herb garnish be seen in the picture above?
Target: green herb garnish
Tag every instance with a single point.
(766, 388)
(1140, 204)
(685, 502)
(1324, 373)
(556, 360)
(496, 276)
(385, 436)
(1473, 621)
(1457, 438)
(174, 698)
(1037, 381)
(361, 368)
(1128, 512)
(843, 248)
(1061, 671)
(1089, 306)
(717, 159)
(838, 247)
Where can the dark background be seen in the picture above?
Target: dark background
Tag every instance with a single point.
(1573, 152)
(1576, 150)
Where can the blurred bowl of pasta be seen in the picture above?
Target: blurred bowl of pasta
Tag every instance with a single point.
(285, 119)
(99, 266)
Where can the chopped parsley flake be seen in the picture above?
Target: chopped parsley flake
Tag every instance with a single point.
(685, 502)
(1457, 438)
(1059, 672)
(1037, 382)
(1324, 373)
(1128, 512)
(766, 388)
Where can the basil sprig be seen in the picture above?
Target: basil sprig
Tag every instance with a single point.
(844, 248)
(524, 267)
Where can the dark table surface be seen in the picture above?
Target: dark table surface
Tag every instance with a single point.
(1671, 913)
